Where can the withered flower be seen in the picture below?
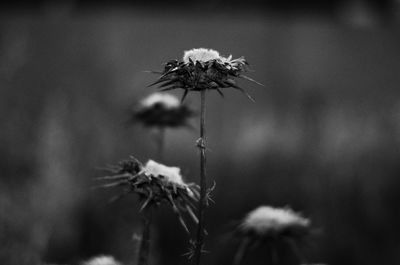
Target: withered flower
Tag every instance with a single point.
(203, 69)
(271, 226)
(162, 110)
(155, 183)
(266, 222)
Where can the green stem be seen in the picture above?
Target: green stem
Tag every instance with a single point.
(201, 144)
(144, 248)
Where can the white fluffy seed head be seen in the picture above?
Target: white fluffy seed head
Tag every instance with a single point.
(171, 174)
(102, 260)
(200, 55)
(266, 219)
(167, 100)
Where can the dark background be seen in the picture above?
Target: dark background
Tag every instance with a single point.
(323, 135)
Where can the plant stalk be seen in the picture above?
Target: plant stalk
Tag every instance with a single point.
(201, 144)
(144, 248)
(274, 255)
(240, 252)
(160, 144)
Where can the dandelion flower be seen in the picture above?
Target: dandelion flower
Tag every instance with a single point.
(102, 260)
(202, 69)
(162, 110)
(155, 183)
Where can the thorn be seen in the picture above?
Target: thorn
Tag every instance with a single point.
(109, 168)
(184, 95)
(151, 72)
(115, 177)
(200, 143)
(250, 79)
(176, 210)
(244, 92)
(220, 92)
(190, 253)
(110, 185)
(191, 213)
(147, 201)
(168, 88)
(170, 82)
(131, 177)
(117, 197)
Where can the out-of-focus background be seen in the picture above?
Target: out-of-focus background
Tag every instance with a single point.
(323, 135)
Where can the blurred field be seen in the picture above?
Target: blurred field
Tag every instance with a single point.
(323, 135)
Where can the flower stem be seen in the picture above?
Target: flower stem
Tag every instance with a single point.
(296, 251)
(144, 248)
(240, 252)
(160, 144)
(201, 144)
(274, 255)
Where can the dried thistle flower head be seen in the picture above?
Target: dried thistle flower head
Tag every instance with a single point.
(269, 226)
(269, 223)
(162, 110)
(155, 183)
(266, 220)
(203, 69)
(102, 260)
